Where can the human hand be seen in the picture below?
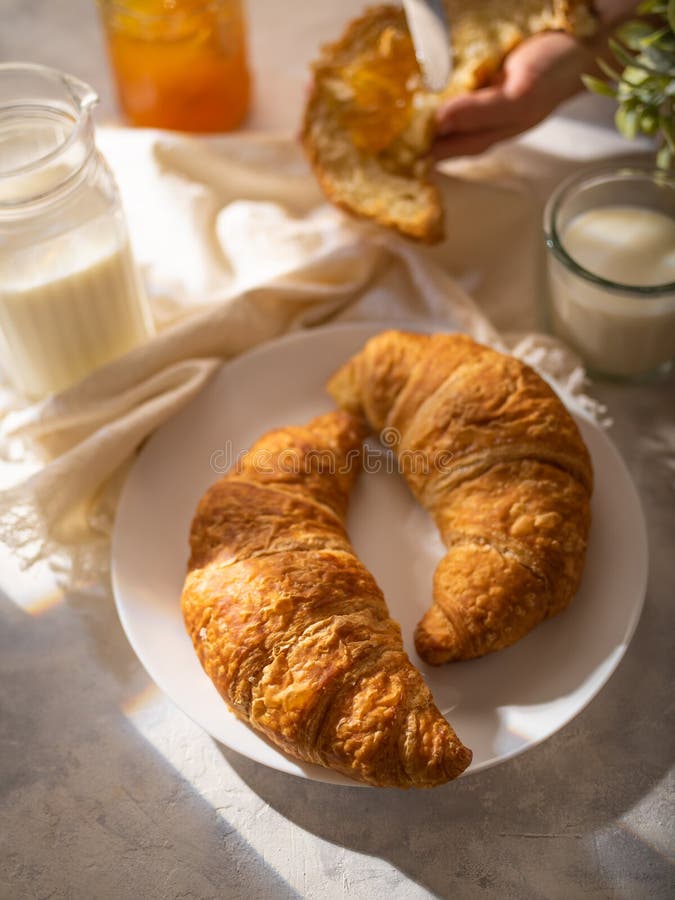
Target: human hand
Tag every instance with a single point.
(537, 76)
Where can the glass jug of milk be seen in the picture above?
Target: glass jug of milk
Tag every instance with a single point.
(70, 296)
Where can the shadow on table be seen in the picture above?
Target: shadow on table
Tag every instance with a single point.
(523, 827)
(90, 806)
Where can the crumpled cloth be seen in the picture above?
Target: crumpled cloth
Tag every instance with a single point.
(237, 246)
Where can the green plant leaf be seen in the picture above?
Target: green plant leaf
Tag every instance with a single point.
(656, 61)
(598, 86)
(649, 122)
(633, 33)
(621, 53)
(664, 157)
(655, 37)
(651, 6)
(634, 76)
(627, 121)
(644, 88)
(608, 70)
(668, 131)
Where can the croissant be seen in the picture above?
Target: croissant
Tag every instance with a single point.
(292, 628)
(490, 451)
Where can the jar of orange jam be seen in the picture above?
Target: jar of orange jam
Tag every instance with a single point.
(179, 64)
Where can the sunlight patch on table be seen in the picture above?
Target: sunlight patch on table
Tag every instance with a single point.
(197, 758)
(43, 604)
(34, 590)
(649, 821)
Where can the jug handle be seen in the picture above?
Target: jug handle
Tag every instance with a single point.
(82, 93)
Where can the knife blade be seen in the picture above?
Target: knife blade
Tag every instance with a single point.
(430, 32)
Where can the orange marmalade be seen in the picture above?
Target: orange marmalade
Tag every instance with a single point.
(179, 64)
(383, 80)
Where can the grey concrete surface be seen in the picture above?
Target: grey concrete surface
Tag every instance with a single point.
(108, 792)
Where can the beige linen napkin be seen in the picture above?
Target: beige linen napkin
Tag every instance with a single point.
(237, 246)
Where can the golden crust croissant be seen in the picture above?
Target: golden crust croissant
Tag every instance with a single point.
(491, 452)
(292, 628)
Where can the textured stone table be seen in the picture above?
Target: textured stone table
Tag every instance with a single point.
(109, 791)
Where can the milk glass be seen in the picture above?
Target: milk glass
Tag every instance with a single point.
(70, 296)
(610, 234)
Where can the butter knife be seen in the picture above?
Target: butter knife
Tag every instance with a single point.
(430, 32)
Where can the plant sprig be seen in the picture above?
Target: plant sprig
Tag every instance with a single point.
(644, 88)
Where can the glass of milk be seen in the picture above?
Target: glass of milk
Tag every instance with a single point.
(610, 234)
(70, 296)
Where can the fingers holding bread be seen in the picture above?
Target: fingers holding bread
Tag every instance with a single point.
(369, 122)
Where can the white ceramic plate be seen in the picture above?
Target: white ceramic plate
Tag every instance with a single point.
(499, 705)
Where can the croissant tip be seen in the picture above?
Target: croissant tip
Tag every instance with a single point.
(458, 758)
(430, 649)
(464, 758)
